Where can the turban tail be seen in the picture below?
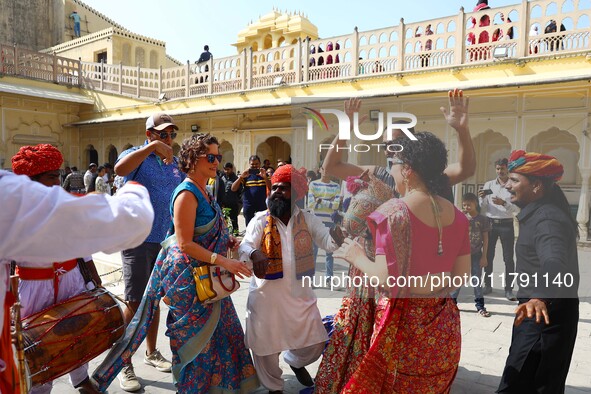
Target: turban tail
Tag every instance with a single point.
(35, 160)
(297, 179)
(535, 164)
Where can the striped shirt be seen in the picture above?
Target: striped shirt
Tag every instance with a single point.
(324, 199)
(255, 192)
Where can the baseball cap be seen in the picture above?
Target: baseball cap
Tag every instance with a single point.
(159, 121)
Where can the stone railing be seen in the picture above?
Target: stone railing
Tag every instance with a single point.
(36, 65)
(468, 38)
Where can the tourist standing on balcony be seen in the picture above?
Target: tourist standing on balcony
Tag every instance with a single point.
(545, 328)
(495, 203)
(74, 15)
(154, 166)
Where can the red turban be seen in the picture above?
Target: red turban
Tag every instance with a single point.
(297, 179)
(35, 160)
(535, 164)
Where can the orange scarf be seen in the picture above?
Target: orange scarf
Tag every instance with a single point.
(303, 247)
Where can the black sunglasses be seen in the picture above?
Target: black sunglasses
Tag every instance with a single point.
(211, 158)
(163, 134)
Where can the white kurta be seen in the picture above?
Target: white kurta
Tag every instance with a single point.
(39, 223)
(281, 314)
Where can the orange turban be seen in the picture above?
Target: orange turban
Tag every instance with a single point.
(35, 160)
(297, 179)
(535, 164)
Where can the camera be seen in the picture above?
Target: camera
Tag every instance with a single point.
(254, 171)
(487, 192)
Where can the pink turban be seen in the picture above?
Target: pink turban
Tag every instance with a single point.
(35, 160)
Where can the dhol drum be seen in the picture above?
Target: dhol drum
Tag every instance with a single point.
(64, 336)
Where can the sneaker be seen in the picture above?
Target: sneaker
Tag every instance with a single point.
(509, 295)
(157, 360)
(127, 379)
(483, 312)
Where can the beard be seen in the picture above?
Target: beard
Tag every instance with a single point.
(279, 207)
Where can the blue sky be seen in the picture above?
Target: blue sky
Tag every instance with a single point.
(187, 25)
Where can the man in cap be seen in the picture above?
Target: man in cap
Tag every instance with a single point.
(545, 327)
(37, 227)
(154, 166)
(282, 314)
(90, 177)
(38, 288)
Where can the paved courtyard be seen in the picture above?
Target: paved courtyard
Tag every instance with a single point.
(485, 341)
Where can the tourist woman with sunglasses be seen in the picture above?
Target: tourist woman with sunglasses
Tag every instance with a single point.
(206, 340)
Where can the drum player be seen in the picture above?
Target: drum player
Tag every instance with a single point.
(44, 285)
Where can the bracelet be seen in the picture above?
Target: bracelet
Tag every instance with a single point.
(212, 258)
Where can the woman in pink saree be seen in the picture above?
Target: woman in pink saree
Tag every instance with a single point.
(421, 245)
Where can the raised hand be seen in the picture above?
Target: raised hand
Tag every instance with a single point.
(457, 114)
(352, 106)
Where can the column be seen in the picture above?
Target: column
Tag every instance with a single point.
(583, 211)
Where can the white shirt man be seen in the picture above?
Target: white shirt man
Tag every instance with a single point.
(36, 224)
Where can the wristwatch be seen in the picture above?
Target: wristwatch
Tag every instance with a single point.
(212, 258)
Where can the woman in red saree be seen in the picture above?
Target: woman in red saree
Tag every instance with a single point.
(421, 244)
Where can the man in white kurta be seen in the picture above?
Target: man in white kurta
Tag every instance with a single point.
(282, 313)
(38, 223)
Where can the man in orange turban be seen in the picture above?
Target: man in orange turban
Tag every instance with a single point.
(41, 163)
(282, 313)
(548, 277)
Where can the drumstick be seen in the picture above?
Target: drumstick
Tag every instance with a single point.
(18, 340)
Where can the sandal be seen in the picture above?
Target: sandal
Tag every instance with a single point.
(484, 313)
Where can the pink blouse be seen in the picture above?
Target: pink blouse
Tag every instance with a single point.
(424, 242)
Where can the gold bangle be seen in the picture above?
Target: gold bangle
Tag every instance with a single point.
(212, 258)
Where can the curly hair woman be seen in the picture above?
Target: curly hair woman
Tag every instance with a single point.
(422, 252)
(206, 339)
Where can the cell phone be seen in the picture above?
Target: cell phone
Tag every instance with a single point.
(487, 192)
(256, 171)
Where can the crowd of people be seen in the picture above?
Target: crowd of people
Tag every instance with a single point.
(398, 221)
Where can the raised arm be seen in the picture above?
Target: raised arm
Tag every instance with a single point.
(333, 162)
(457, 117)
(47, 223)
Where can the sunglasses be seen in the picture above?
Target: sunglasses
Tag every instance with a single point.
(163, 134)
(391, 161)
(211, 158)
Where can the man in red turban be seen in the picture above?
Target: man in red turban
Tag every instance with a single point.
(41, 163)
(548, 313)
(288, 174)
(281, 307)
(47, 284)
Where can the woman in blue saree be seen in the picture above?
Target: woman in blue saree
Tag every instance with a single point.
(207, 340)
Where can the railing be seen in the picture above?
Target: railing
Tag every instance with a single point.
(36, 65)
(467, 38)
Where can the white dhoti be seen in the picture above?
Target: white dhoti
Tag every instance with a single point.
(282, 314)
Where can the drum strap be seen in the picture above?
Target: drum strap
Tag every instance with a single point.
(53, 273)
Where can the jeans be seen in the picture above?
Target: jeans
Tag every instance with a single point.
(77, 29)
(475, 271)
(507, 235)
(329, 258)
